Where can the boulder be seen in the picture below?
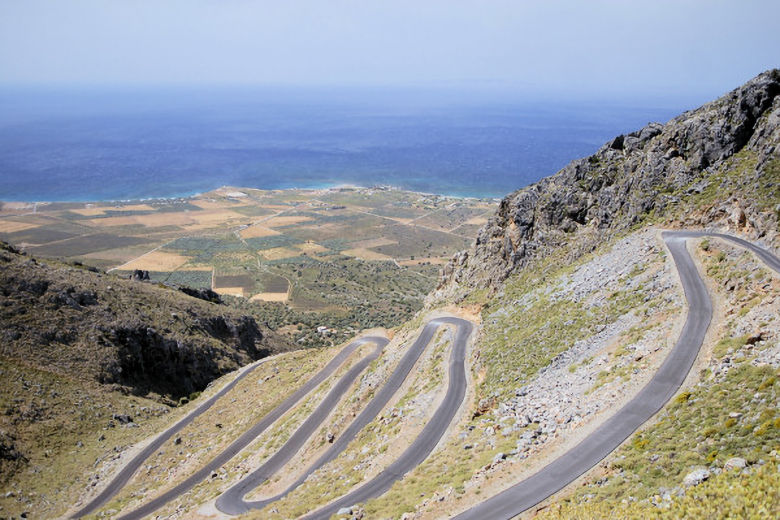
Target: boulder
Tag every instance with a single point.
(735, 463)
(202, 294)
(122, 418)
(696, 477)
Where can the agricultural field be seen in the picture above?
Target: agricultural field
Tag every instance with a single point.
(344, 257)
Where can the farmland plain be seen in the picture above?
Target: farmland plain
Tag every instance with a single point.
(347, 258)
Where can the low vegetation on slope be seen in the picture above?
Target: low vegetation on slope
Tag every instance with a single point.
(142, 338)
(713, 167)
(89, 360)
(557, 343)
(726, 428)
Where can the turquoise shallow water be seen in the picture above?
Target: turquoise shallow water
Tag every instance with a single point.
(71, 146)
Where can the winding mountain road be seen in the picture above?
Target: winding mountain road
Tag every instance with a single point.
(426, 441)
(232, 502)
(649, 401)
(131, 467)
(514, 500)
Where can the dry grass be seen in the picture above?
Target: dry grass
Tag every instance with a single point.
(230, 291)
(312, 248)
(189, 219)
(93, 211)
(11, 226)
(137, 207)
(157, 261)
(120, 254)
(278, 253)
(211, 218)
(270, 297)
(256, 231)
(129, 220)
(366, 254)
(373, 242)
(286, 221)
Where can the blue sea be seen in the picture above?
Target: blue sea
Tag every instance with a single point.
(119, 144)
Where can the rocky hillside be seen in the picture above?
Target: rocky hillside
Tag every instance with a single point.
(137, 337)
(718, 163)
(90, 363)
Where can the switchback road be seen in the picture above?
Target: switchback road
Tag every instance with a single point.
(649, 401)
(131, 467)
(232, 502)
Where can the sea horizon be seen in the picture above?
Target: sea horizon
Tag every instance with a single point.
(118, 144)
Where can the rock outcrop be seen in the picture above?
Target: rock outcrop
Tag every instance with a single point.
(140, 338)
(650, 172)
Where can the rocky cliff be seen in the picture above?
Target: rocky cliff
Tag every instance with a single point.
(135, 336)
(716, 164)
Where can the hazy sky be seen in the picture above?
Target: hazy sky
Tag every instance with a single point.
(650, 46)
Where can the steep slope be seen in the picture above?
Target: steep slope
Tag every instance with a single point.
(90, 363)
(661, 170)
(580, 304)
(139, 337)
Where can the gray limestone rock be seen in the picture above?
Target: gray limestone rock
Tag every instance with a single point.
(615, 188)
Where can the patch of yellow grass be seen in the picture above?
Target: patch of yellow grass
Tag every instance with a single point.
(366, 254)
(278, 253)
(189, 219)
(136, 207)
(196, 268)
(91, 211)
(210, 218)
(286, 221)
(230, 291)
(11, 226)
(373, 242)
(156, 261)
(94, 211)
(270, 297)
(312, 248)
(120, 254)
(129, 220)
(256, 231)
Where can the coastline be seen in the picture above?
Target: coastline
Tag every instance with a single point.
(194, 194)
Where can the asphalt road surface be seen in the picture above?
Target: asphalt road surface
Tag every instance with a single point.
(232, 502)
(644, 406)
(425, 442)
(518, 498)
(231, 450)
(127, 472)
